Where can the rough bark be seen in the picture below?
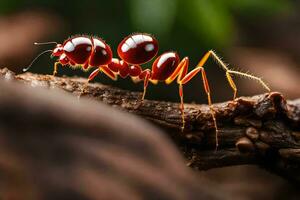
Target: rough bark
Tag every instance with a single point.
(55, 147)
(262, 130)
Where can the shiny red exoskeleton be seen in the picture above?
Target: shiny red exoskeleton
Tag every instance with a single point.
(134, 50)
(83, 51)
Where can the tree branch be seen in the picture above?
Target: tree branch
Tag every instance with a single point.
(264, 128)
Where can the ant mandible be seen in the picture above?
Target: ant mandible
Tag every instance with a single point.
(134, 50)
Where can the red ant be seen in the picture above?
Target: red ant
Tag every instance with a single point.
(134, 50)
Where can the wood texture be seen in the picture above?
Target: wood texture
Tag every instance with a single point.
(53, 146)
(262, 130)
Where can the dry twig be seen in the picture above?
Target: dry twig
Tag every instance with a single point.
(262, 130)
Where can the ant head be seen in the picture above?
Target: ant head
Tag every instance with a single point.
(58, 50)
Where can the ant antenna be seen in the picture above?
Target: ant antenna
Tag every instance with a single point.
(42, 43)
(27, 68)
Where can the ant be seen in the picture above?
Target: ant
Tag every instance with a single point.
(134, 50)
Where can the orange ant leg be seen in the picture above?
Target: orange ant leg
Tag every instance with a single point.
(223, 65)
(182, 78)
(180, 72)
(187, 78)
(229, 72)
(108, 72)
(55, 68)
(146, 81)
(212, 111)
(232, 84)
(181, 106)
(103, 69)
(93, 74)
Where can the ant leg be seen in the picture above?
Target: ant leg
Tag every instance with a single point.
(146, 76)
(93, 74)
(228, 72)
(90, 78)
(146, 81)
(180, 72)
(251, 77)
(212, 111)
(104, 69)
(187, 78)
(182, 78)
(55, 68)
(222, 64)
(108, 72)
(181, 106)
(232, 84)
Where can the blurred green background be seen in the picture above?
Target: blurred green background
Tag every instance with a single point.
(249, 34)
